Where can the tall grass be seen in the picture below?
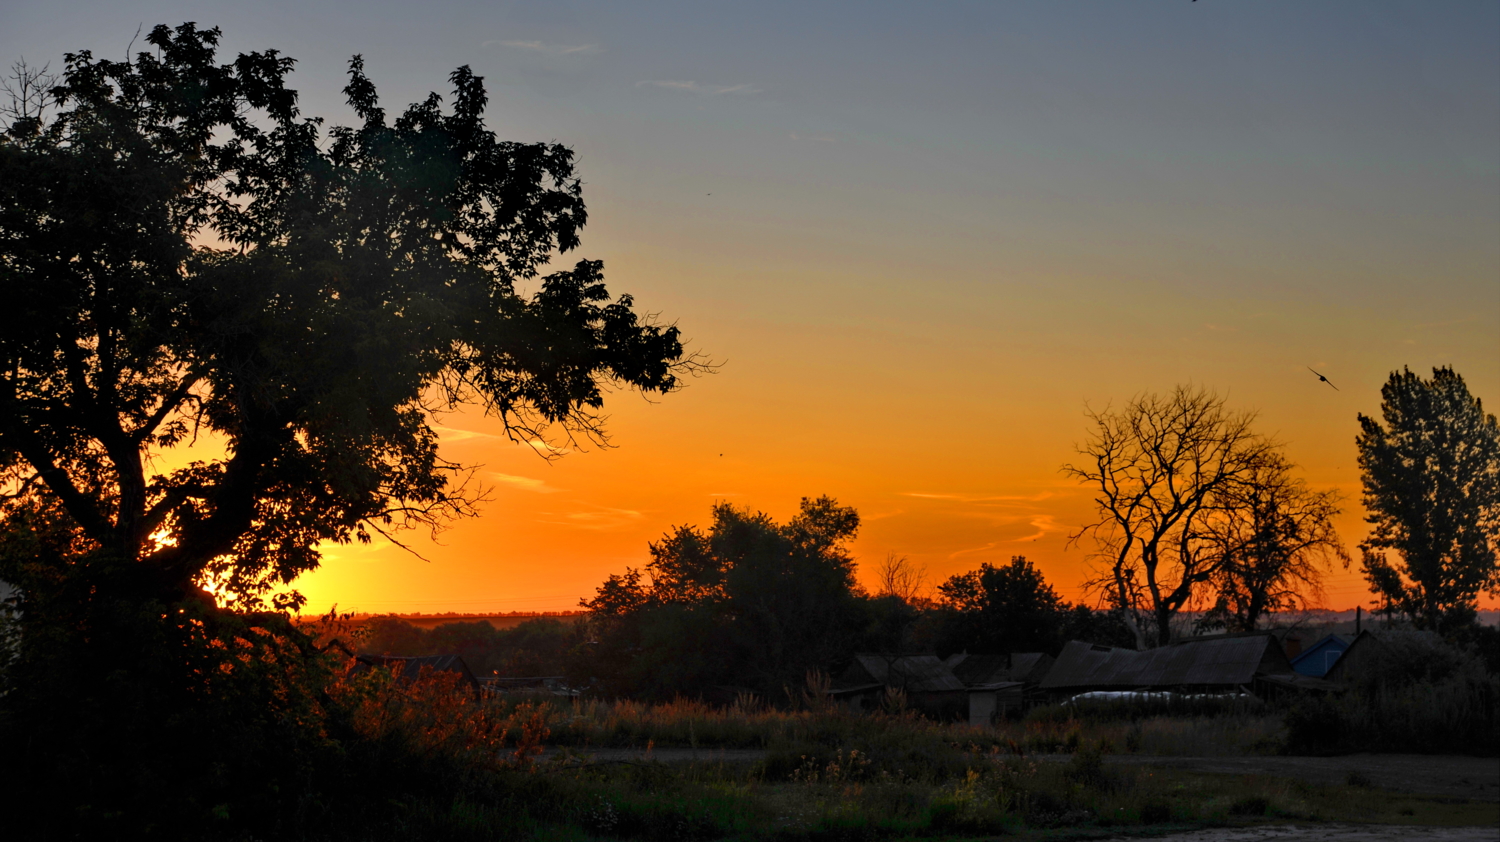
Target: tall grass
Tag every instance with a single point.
(445, 765)
(1060, 729)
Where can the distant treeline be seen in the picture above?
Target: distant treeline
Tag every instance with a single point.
(754, 605)
(535, 647)
(445, 615)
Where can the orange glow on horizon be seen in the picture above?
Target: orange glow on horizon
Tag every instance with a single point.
(554, 530)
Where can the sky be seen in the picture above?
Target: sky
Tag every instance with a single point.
(923, 240)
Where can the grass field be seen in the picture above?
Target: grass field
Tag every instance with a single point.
(595, 770)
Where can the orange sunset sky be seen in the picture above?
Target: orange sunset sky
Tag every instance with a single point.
(923, 239)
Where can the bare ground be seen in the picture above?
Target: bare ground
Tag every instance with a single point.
(1446, 776)
(1473, 778)
(1337, 833)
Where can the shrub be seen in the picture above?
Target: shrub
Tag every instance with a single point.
(1253, 806)
(1155, 812)
(1420, 695)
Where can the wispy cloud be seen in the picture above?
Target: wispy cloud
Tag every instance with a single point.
(547, 449)
(550, 49)
(970, 551)
(987, 499)
(523, 483)
(695, 88)
(451, 434)
(602, 517)
(1044, 526)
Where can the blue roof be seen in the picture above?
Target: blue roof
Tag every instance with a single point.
(1317, 659)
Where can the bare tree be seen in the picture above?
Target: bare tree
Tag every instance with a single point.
(1158, 468)
(901, 578)
(28, 90)
(1275, 538)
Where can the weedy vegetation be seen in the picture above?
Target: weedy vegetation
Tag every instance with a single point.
(457, 766)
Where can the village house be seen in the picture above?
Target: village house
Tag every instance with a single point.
(1317, 659)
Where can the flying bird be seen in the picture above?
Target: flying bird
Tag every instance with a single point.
(1324, 379)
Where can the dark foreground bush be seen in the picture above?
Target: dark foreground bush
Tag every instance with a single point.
(1420, 696)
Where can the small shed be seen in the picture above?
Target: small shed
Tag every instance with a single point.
(928, 683)
(1317, 659)
(989, 702)
(1000, 684)
(857, 698)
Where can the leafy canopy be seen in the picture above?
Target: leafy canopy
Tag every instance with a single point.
(187, 258)
(749, 602)
(1431, 476)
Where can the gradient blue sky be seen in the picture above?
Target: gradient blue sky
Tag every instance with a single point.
(936, 232)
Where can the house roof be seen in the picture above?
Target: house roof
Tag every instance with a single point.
(914, 673)
(987, 669)
(978, 669)
(1214, 661)
(1313, 659)
(998, 687)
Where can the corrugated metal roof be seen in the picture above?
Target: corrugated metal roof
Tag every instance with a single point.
(1230, 660)
(914, 673)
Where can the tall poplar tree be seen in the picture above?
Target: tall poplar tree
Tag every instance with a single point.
(1431, 477)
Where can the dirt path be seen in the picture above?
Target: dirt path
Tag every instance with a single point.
(1337, 833)
(1474, 778)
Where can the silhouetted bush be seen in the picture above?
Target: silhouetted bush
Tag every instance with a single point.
(1417, 694)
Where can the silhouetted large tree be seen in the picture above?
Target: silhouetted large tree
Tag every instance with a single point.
(356, 286)
(1274, 538)
(749, 603)
(1431, 479)
(186, 259)
(1010, 608)
(1158, 468)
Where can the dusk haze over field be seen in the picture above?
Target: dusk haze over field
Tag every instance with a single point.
(919, 242)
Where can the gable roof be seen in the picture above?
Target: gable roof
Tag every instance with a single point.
(978, 669)
(1229, 660)
(988, 669)
(1315, 659)
(914, 673)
